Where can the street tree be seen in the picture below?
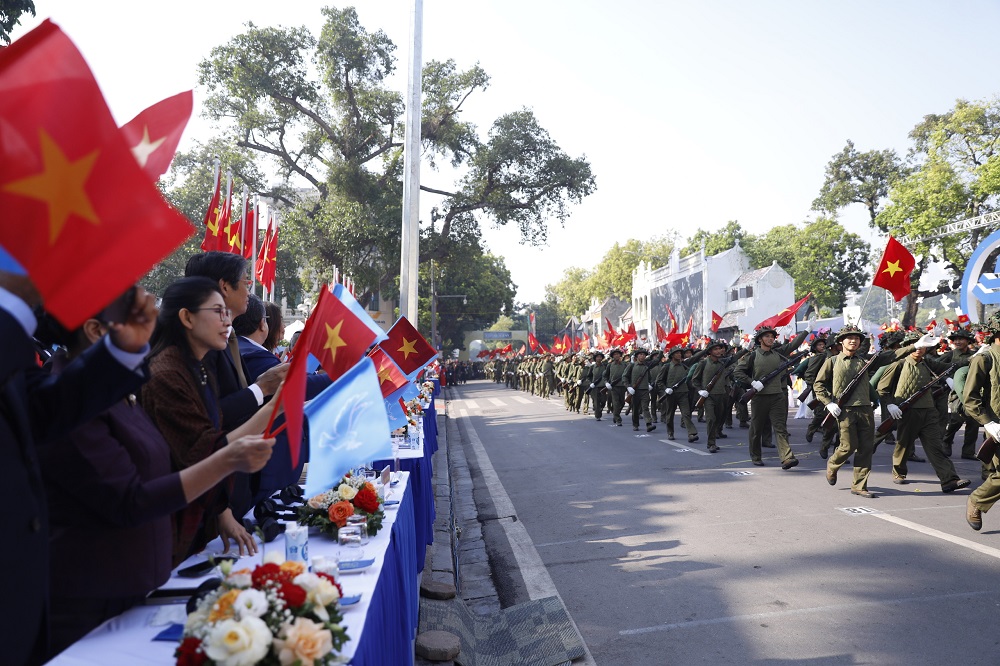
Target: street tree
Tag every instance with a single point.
(854, 177)
(715, 242)
(572, 293)
(10, 16)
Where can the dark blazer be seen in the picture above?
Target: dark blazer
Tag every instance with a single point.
(238, 404)
(257, 361)
(36, 407)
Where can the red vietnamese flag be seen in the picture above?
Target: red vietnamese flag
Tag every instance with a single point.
(520, 351)
(154, 134)
(83, 218)
(506, 350)
(963, 320)
(785, 316)
(716, 321)
(545, 350)
(249, 229)
(931, 326)
(611, 328)
(567, 343)
(264, 267)
(661, 335)
(407, 347)
(685, 338)
(893, 272)
(390, 377)
(339, 338)
(533, 342)
(673, 320)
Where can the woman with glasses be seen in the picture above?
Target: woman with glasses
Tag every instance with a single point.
(182, 397)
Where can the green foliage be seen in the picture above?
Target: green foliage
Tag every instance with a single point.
(549, 318)
(10, 16)
(572, 293)
(503, 323)
(613, 276)
(715, 242)
(856, 177)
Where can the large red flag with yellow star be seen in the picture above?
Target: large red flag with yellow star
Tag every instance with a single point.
(716, 321)
(154, 134)
(893, 272)
(407, 347)
(338, 338)
(784, 317)
(81, 216)
(390, 377)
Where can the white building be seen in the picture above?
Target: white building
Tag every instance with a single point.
(697, 285)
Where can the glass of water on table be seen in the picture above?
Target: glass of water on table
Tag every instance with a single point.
(349, 538)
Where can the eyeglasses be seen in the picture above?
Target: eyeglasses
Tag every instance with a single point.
(224, 313)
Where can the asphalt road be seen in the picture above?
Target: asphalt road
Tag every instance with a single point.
(665, 554)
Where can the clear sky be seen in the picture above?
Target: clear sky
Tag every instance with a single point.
(690, 113)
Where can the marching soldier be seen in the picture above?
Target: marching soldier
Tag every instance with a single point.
(637, 380)
(808, 374)
(597, 391)
(770, 403)
(715, 396)
(616, 385)
(962, 339)
(675, 392)
(982, 403)
(854, 412)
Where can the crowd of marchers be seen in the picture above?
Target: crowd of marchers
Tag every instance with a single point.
(923, 386)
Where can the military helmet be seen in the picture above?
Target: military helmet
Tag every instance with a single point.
(911, 337)
(615, 350)
(676, 350)
(889, 339)
(812, 345)
(963, 334)
(761, 331)
(849, 330)
(598, 353)
(991, 327)
(717, 343)
(639, 350)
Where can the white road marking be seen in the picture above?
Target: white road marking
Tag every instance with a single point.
(498, 402)
(470, 404)
(685, 448)
(803, 611)
(929, 531)
(462, 414)
(523, 401)
(536, 576)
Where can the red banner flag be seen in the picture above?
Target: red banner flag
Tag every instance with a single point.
(82, 217)
(264, 267)
(611, 328)
(893, 272)
(673, 320)
(407, 347)
(249, 229)
(567, 344)
(154, 134)
(533, 342)
(390, 377)
(785, 316)
(213, 233)
(661, 335)
(716, 321)
(963, 320)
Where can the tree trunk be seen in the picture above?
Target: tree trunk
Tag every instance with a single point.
(910, 314)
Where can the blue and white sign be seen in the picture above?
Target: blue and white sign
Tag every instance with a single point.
(497, 335)
(977, 286)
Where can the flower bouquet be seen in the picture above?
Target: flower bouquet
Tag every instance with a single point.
(275, 614)
(329, 511)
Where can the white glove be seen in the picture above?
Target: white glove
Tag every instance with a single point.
(927, 340)
(579, 382)
(607, 385)
(670, 391)
(894, 411)
(758, 386)
(834, 410)
(993, 430)
(631, 391)
(591, 384)
(703, 393)
(950, 382)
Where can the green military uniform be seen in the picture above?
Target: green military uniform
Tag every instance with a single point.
(597, 390)
(856, 420)
(957, 416)
(808, 374)
(616, 377)
(770, 404)
(982, 403)
(637, 379)
(903, 379)
(673, 380)
(715, 398)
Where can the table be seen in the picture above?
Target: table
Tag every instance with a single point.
(382, 625)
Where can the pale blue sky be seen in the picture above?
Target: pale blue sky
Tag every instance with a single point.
(691, 113)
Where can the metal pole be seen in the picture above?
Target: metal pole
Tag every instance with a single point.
(410, 246)
(434, 311)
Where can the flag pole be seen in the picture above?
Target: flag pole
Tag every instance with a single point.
(253, 242)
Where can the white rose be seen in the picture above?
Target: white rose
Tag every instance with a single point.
(274, 557)
(325, 592)
(250, 603)
(307, 581)
(346, 492)
(240, 579)
(238, 643)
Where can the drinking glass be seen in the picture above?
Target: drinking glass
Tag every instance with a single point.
(349, 538)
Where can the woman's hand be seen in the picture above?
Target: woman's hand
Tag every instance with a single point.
(229, 528)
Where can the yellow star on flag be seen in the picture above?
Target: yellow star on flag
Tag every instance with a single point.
(233, 237)
(384, 372)
(892, 267)
(60, 185)
(146, 147)
(409, 347)
(333, 339)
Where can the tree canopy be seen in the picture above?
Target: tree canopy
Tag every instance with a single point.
(10, 16)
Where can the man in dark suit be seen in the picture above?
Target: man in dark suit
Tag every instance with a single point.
(251, 329)
(35, 407)
(239, 396)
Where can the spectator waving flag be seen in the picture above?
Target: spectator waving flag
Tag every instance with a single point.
(83, 219)
(347, 427)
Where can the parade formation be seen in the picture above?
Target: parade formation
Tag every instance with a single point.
(927, 386)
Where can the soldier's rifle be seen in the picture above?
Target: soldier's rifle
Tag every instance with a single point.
(848, 390)
(787, 363)
(889, 424)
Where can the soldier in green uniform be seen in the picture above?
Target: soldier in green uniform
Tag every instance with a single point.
(548, 376)
(982, 403)
(903, 379)
(675, 392)
(770, 404)
(616, 385)
(963, 340)
(596, 390)
(808, 374)
(637, 385)
(715, 399)
(855, 415)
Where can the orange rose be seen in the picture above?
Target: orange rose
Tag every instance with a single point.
(339, 513)
(369, 486)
